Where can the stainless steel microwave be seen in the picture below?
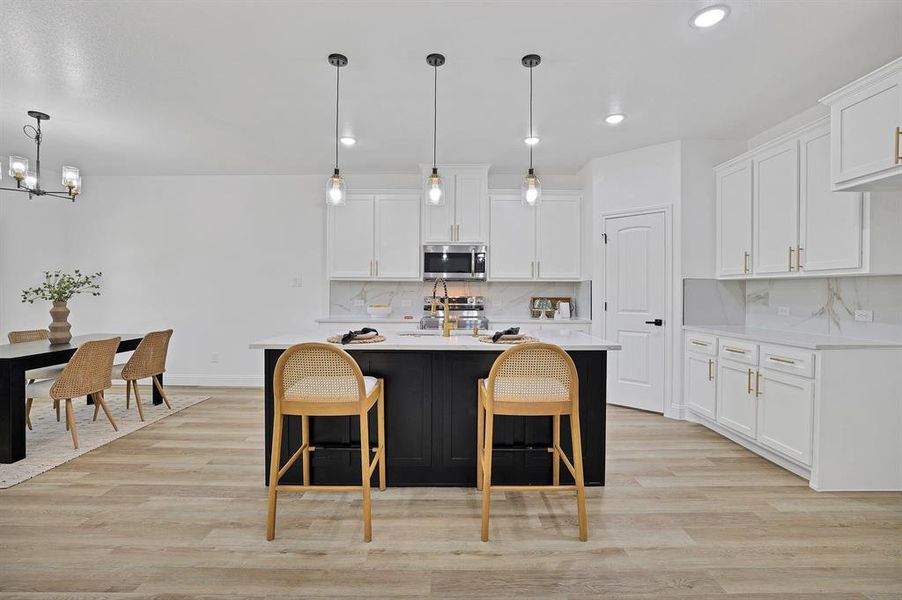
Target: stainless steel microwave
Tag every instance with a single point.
(454, 261)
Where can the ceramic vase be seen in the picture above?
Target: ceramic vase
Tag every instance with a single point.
(60, 327)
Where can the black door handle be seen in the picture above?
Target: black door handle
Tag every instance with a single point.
(656, 322)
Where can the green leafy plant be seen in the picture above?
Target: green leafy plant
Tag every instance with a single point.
(60, 286)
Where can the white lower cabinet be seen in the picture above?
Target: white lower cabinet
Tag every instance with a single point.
(701, 386)
(786, 408)
(737, 405)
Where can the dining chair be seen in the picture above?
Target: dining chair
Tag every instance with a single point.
(36, 335)
(88, 373)
(317, 379)
(147, 361)
(531, 379)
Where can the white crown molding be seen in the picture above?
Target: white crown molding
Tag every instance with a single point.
(875, 76)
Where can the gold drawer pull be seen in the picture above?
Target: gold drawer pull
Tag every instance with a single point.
(757, 383)
(791, 250)
(898, 135)
(734, 350)
(785, 361)
(745, 260)
(750, 382)
(710, 370)
(698, 343)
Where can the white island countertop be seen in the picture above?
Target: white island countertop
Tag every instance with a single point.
(798, 339)
(433, 340)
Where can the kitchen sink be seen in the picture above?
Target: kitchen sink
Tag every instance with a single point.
(434, 332)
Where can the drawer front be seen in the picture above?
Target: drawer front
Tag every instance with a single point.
(738, 350)
(789, 360)
(701, 343)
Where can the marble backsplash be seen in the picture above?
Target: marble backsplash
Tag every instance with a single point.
(824, 306)
(509, 299)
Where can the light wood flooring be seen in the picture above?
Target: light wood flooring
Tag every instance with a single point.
(177, 510)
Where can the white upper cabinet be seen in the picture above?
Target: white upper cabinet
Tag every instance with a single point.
(776, 208)
(734, 218)
(535, 243)
(464, 215)
(375, 236)
(830, 222)
(866, 126)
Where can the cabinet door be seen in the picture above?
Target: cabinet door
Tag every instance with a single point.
(786, 403)
(776, 202)
(830, 231)
(734, 219)
(737, 408)
(351, 239)
(438, 221)
(513, 249)
(558, 237)
(469, 207)
(398, 248)
(864, 132)
(700, 386)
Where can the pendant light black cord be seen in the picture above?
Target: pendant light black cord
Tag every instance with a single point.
(434, 111)
(530, 117)
(337, 78)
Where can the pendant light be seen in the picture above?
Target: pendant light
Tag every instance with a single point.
(531, 190)
(435, 193)
(335, 186)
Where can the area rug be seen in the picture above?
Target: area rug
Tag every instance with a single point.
(49, 445)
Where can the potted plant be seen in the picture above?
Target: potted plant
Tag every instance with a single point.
(59, 287)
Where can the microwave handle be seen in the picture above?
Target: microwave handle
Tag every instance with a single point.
(473, 262)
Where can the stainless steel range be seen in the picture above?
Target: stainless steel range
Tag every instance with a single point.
(469, 311)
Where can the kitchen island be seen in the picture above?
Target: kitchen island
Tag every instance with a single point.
(430, 413)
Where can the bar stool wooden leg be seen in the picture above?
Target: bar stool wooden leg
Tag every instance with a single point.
(576, 438)
(305, 442)
(487, 475)
(380, 419)
(138, 400)
(365, 475)
(128, 393)
(98, 400)
(96, 408)
(556, 458)
(160, 389)
(480, 434)
(273, 475)
(70, 422)
(28, 412)
(56, 405)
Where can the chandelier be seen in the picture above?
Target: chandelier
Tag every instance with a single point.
(29, 181)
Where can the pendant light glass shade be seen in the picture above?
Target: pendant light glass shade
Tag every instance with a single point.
(435, 193)
(18, 167)
(531, 190)
(336, 194)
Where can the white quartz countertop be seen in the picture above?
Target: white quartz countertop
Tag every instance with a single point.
(571, 341)
(810, 341)
(363, 318)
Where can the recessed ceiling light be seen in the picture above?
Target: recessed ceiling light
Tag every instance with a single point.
(614, 119)
(710, 16)
(531, 140)
(348, 140)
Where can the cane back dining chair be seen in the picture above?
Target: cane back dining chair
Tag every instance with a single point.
(32, 375)
(88, 373)
(531, 379)
(147, 361)
(318, 379)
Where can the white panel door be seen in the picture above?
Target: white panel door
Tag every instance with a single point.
(634, 292)
(830, 231)
(438, 221)
(776, 202)
(351, 238)
(469, 207)
(558, 238)
(513, 248)
(701, 389)
(737, 407)
(864, 131)
(734, 219)
(786, 405)
(398, 248)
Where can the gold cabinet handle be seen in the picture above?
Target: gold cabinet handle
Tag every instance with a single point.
(734, 350)
(745, 263)
(757, 383)
(710, 370)
(377, 267)
(798, 258)
(698, 343)
(785, 361)
(898, 135)
(791, 250)
(749, 390)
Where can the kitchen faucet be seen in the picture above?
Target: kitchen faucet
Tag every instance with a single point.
(448, 319)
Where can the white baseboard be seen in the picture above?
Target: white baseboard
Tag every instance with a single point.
(214, 380)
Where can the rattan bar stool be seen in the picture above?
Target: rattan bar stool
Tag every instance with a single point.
(147, 361)
(32, 375)
(316, 379)
(532, 379)
(86, 374)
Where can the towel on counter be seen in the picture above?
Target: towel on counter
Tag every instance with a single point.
(511, 333)
(360, 334)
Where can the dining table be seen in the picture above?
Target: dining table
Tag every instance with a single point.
(16, 359)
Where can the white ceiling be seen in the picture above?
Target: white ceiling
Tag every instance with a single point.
(188, 87)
